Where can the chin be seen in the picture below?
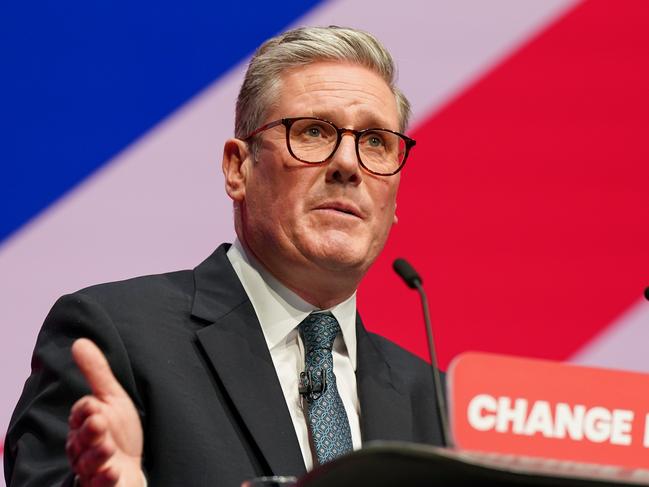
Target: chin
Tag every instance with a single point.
(341, 253)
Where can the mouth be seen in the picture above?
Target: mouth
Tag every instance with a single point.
(341, 207)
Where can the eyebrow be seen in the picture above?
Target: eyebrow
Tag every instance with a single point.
(368, 119)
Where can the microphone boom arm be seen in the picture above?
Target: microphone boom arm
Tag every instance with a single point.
(413, 281)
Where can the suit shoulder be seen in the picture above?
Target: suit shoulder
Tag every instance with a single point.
(144, 293)
(167, 283)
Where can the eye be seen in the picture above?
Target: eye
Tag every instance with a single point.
(310, 130)
(374, 140)
(313, 131)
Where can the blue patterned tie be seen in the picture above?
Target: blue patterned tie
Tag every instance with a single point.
(327, 418)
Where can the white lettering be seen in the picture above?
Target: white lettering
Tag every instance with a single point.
(507, 414)
(645, 443)
(570, 420)
(621, 427)
(539, 420)
(597, 424)
(480, 404)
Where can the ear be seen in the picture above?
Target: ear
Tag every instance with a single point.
(235, 165)
(395, 219)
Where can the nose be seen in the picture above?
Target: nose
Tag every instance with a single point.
(343, 166)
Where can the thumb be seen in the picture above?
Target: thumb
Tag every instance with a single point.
(94, 367)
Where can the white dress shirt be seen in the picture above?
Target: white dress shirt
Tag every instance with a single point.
(280, 311)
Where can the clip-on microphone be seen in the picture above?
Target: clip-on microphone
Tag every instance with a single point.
(312, 389)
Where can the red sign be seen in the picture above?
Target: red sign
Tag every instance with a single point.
(549, 409)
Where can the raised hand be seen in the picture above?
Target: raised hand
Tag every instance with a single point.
(105, 437)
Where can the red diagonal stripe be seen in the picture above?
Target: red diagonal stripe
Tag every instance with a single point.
(525, 204)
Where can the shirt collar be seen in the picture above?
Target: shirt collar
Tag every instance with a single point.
(279, 309)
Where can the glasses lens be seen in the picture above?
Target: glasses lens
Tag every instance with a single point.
(382, 151)
(312, 140)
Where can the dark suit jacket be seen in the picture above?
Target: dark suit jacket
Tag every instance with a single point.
(188, 348)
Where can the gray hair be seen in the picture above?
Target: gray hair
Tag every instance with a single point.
(304, 46)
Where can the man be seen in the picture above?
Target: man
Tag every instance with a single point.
(198, 378)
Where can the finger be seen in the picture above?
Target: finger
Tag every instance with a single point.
(81, 410)
(72, 449)
(93, 431)
(94, 367)
(84, 407)
(90, 434)
(92, 461)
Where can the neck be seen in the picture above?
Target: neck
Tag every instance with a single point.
(321, 288)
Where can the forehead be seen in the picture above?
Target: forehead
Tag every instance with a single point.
(347, 94)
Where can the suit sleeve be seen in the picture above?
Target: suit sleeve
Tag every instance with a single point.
(35, 443)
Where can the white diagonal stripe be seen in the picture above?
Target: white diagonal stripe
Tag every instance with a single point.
(621, 345)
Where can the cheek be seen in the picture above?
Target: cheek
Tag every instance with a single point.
(260, 206)
(278, 206)
(386, 201)
(385, 212)
(388, 218)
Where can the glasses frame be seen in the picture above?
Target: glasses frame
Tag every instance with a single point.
(288, 123)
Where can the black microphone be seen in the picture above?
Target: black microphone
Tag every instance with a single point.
(414, 281)
(646, 293)
(407, 273)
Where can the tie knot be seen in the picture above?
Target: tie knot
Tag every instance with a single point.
(319, 331)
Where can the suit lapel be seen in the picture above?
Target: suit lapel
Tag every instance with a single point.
(235, 346)
(385, 409)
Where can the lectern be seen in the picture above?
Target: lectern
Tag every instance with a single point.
(383, 464)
